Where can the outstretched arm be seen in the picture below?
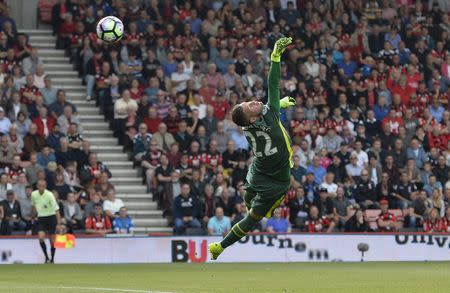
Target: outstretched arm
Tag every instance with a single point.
(274, 72)
(274, 86)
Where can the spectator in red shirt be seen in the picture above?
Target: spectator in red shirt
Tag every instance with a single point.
(221, 106)
(386, 221)
(29, 92)
(22, 49)
(413, 78)
(317, 223)
(403, 90)
(76, 42)
(446, 221)
(172, 120)
(44, 122)
(136, 90)
(98, 223)
(212, 158)
(152, 120)
(65, 32)
(437, 138)
(206, 91)
(393, 121)
(433, 223)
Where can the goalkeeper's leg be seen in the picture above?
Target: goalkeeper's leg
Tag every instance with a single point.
(237, 232)
(240, 229)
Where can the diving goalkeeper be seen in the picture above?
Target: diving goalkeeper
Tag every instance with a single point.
(268, 179)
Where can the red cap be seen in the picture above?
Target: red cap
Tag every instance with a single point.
(384, 201)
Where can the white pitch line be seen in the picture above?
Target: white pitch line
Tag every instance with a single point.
(91, 289)
(111, 289)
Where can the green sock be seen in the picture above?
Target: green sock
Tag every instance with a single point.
(239, 230)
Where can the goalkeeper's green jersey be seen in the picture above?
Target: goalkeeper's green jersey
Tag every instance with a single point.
(270, 142)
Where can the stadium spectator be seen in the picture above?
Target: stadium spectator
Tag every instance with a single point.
(316, 169)
(12, 213)
(342, 207)
(436, 202)
(141, 142)
(171, 189)
(15, 107)
(112, 205)
(33, 142)
(224, 200)
(277, 224)
(219, 225)
(73, 214)
(353, 169)
(163, 138)
(103, 185)
(317, 223)
(123, 224)
(357, 222)
(433, 222)
(416, 152)
(403, 192)
(446, 221)
(94, 198)
(386, 221)
(98, 222)
(365, 192)
(298, 207)
(92, 171)
(26, 209)
(186, 210)
(150, 162)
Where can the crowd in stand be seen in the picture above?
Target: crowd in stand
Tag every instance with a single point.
(41, 138)
(370, 131)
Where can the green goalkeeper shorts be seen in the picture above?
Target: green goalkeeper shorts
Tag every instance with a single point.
(263, 194)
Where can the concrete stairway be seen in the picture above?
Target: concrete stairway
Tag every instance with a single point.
(126, 180)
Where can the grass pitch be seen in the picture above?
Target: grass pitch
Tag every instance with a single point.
(411, 277)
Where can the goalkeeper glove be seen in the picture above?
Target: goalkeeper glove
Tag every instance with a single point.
(280, 45)
(287, 102)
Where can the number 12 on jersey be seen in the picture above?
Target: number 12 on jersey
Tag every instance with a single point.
(268, 150)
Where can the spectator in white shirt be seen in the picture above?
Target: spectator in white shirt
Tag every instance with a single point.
(31, 63)
(179, 78)
(312, 67)
(199, 106)
(363, 158)
(329, 184)
(353, 169)
(112, 205)
(39, 77)
(5, 123)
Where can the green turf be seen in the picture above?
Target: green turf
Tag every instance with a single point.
(411, 277)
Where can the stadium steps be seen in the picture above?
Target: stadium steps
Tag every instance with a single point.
(145, 214)
(128, 182)
(110, 148)
(88, 110)
(141, 205)
(150, 230)
(52, 60)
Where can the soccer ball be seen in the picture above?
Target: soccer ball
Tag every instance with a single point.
(110, 29)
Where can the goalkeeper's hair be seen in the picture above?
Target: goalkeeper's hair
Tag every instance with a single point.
(238, 116)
